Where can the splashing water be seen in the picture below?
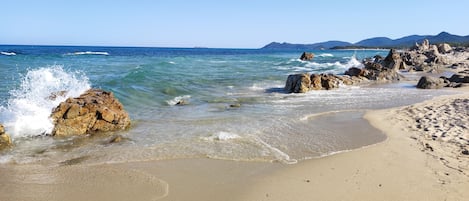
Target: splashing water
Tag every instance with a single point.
(40, 90)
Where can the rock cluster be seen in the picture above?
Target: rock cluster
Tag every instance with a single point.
(422, 57)
(5, 140)
(386, 69)
(456, 80)
(94, 111)
(426, 57)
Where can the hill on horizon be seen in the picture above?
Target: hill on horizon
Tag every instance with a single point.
(376, 42)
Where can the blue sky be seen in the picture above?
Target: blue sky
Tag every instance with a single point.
(218, 23)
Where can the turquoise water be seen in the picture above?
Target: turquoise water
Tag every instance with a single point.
(269, 125)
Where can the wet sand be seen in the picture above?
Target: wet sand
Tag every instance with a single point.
(403, 167)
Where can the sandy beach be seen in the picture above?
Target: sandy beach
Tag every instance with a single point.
(403, 167)
(423, 158)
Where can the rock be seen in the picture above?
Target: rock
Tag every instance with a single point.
(235, 105)
(316, 82)
(5, 140)
(116, 139)
(422, 47)
(459, 78)
(182, 102)
(427, 82)
(298, 83)
(307, 56)
(329, 81)
(354, 71)
(94, 111)
(373, 66)
(444, 48)
(465, 152)
(392, 61)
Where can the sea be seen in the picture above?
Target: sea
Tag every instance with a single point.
(236, 108)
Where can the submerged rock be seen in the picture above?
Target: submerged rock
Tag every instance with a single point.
(307, 56)
(94, 111)
(5, 140)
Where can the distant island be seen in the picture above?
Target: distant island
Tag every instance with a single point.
(377, 42)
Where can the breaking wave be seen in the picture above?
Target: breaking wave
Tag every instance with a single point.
(89, 53)
(8, 53)
(30, 105)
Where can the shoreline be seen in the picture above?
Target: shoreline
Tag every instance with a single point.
(394, 169)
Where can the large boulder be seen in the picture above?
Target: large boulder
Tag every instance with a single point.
(298, 83)
(444, 48)
(94, 111)
(393, 61)
(306, 56)
(5, 140)
(459, 78)
(427, 82)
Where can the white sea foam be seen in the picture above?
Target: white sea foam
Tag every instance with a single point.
(8, 53)
(353, 62)
(325, 55)
(29, 106)
(89, 53)
(178, 99)
(222, 136)
(336, 67)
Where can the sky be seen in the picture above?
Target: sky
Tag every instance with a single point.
(223, 23)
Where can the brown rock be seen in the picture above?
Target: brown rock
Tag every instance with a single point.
(316, 82)
(307, 56)
(459, 78)
(393, 60)
(298, 83)
(5, 140)
(329, 82)
(94, 111)
(354, 71)
(427, 82)
(444, 48)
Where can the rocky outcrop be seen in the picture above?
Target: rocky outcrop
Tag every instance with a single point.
(307, 56)
(94, 111)
(427, 82)
(302, 83)
(426, 57)
(385, 69)
(444, 48)
(5, 140)
(459, 78)
(298, 83)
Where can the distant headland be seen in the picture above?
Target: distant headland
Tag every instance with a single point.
(377, 42)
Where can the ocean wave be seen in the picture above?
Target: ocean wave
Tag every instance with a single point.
(327, 67)
(325, 55)
(89, 53)
(178, 99)
(8, 53)
(40, 90)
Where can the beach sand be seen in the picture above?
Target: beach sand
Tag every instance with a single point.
(422, 159)
(403, 167)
